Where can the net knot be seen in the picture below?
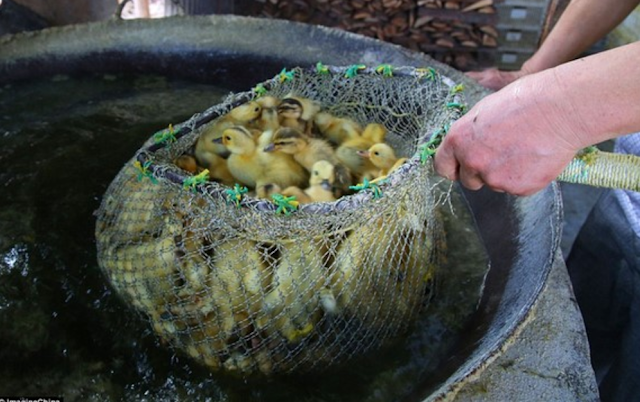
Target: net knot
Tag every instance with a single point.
(234, 195)
(285, 75)
(166, 136)
(369, 185)
(259, 90)
(321, 68)
(353, 70)
(193, 181)
(143, 171)
(385, 70)
(286, 205)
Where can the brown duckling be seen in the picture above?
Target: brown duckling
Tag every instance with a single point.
(297, 112)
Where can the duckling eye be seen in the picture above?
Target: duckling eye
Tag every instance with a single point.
(376, 153)
(227, 138)
(257, 109)
(316, 173)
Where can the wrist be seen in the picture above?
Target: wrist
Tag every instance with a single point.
(563, 123)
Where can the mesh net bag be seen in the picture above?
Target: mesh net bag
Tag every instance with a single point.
(248, 285)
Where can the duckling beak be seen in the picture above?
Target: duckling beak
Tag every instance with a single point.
(326, 185)
(217, 140)
(270, 148)
(225, 154)
(364, 154)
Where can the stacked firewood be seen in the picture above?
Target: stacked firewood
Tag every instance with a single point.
(452, 31)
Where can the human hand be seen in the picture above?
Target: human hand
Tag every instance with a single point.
(513, 140)
(495, 79)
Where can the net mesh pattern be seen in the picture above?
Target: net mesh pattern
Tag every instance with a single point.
(244, 289)
(603, 169)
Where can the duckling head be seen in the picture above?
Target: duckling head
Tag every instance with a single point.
(287, 140)
(246, 112)
(375, 132)
(238, 140)
(381, 155)
(323, 174)
(269, 115)
(290, 109)
(268, 102)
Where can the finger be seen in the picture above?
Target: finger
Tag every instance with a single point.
(470, 179)
(445, 163)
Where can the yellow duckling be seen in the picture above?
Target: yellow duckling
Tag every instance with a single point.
(304, 149)
(292, 307)
(382, 270)
(230, 294)
(217, 166)
(336, 130)
(297, 112)
(307, 151)
(269, 115)
(375, 132)
(321, 185)
(253, 167)
(349, 152)
(244, 163)
(384, 158)
(244, 115)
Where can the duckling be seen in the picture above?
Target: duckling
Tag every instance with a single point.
(375, 132)
(239, 275)
(347, 154)
(234, 287)
(244, 163)
(187, 163)
(253, 167)
(281, 169)
(336, 129)
(217, 166)
(244, 115)
(219, 170)
(307, 151)
(292, 307)
(297, 112)
(384, 158)
(304, 149)
(321, 185)
(383, 269)
(269, 115)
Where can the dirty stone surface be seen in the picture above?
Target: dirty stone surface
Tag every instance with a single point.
(548, 361)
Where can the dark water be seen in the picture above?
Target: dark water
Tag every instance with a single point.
(63, 332)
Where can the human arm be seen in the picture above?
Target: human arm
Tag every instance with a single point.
(582, 24)
(520, 138)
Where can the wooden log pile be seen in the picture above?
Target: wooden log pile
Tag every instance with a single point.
(451, 31)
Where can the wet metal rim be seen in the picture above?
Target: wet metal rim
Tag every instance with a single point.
(521, 235)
